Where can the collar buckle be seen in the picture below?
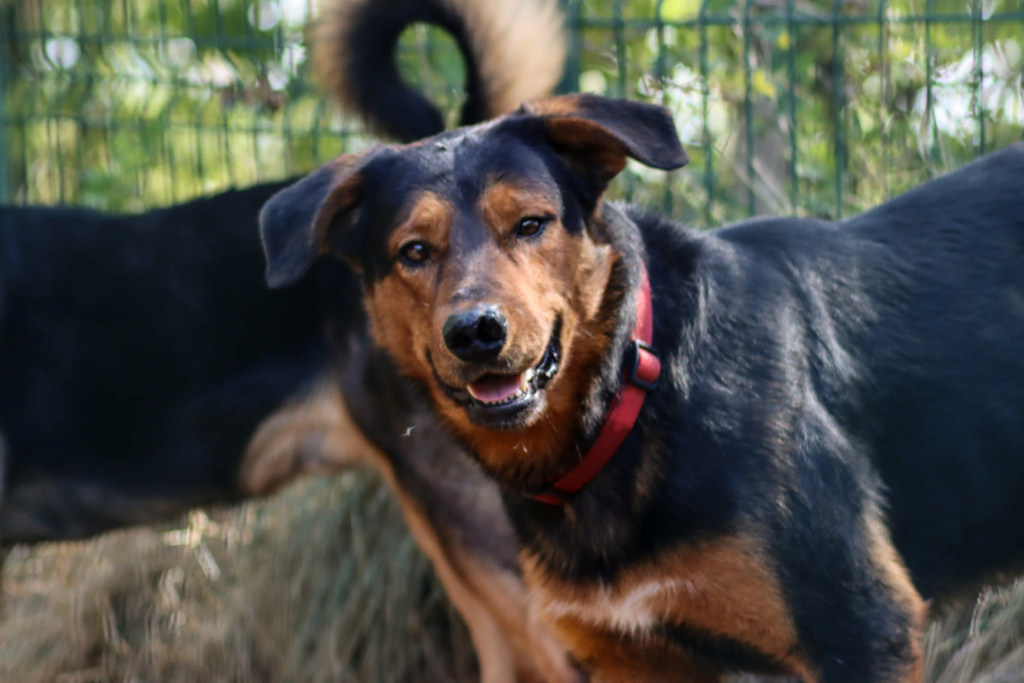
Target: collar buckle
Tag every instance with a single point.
(642, 366)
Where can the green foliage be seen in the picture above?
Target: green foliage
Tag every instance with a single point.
(806, 106)
(787, 106)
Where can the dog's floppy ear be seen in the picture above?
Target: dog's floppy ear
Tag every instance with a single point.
(295, 223)
(595, 134)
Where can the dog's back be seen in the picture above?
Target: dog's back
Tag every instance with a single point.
(137, 355)
(913, 314)
(946, 360)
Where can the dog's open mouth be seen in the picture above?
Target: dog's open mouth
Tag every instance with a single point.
(495, 389)
(506, 401)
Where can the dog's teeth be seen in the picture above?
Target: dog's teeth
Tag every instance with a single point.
(524, 380)
(519, 394)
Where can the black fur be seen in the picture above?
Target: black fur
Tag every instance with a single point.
(874, 362)
(137, 356)
(817, 378)
(369, 45)
(831, 369)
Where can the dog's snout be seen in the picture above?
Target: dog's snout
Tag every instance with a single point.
(476, 334)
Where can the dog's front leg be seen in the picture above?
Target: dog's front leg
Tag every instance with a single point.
(859, 617)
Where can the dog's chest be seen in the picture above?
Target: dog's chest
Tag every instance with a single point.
(633, 610)
(721, 588)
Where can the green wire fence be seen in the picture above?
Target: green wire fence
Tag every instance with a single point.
(816, 107)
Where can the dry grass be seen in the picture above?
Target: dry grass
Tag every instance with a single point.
(980, 643)
(321, 583)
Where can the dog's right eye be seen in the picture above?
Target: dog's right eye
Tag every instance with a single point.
(414, 253)
(531, 226)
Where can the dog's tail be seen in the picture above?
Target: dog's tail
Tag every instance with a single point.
(514, 51)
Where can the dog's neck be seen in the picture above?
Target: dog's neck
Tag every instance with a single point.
(640, 371)
(548, 531)
(601, 372)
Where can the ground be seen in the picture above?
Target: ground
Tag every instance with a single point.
(321, 583)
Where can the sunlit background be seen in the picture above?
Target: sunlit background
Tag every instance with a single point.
(786, 106)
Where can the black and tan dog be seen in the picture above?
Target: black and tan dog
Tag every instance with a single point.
(830, 424)
(145, 368)
(137, 358)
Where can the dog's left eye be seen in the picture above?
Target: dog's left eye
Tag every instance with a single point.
(414, 253)
(530, 226)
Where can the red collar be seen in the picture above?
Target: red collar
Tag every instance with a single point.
(641, 371)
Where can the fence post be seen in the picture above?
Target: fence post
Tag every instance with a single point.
(571, 76)
(5, 166)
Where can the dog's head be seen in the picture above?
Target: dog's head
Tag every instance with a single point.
(483, 255)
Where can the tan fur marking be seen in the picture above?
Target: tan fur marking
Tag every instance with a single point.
(574, 293)
(401, 303)
(563, 105)
(896, 577)
(504, 204)
(494, 651)
(602, 153)
(560, 275)
(429, 219)
(622, 659)
(722, 587)
(311, 433)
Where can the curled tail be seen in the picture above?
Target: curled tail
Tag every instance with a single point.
(514, 51)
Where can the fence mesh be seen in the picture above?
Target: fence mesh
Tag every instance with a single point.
(786, 106)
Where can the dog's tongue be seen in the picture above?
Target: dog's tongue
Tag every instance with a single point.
(495, 388)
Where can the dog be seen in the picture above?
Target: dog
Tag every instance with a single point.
(176, 379)
(145, 368)
(137, 358)
(760, 448)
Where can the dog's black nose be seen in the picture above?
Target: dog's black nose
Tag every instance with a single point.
(478, 333)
